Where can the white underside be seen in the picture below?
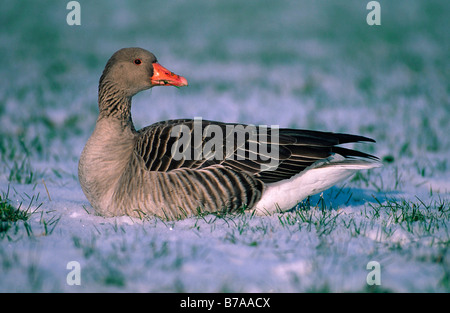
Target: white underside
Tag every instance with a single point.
(284, 195)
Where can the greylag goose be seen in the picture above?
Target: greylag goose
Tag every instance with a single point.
(123, 171)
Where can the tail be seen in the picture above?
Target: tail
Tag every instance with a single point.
(359, 162)
(323, 174)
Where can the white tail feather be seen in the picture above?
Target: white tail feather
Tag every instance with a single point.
(284, 195)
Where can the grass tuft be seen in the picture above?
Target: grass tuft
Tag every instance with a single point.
(9, 215)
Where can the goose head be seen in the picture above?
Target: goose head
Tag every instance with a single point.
(131, 70)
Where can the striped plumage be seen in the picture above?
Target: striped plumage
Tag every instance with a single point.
(124, 171)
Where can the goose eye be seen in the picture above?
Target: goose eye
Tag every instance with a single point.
(137, 61)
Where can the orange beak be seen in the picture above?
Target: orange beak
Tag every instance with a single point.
(164, 77)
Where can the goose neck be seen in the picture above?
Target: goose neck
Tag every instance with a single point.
(114, 103)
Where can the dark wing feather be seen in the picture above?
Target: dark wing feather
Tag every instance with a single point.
(297, 149)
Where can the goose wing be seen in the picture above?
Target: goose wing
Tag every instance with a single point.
(267, 154)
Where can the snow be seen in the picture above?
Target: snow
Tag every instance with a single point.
(243, 253)
(312, 65)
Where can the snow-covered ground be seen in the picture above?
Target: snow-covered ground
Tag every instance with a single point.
(310, 64)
